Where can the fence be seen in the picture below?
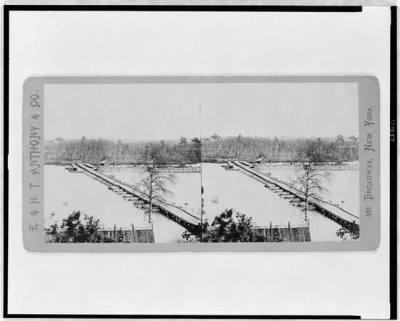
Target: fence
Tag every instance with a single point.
(283, 233)
(128, 235)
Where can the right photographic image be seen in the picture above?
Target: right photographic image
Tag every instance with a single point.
(280, 162)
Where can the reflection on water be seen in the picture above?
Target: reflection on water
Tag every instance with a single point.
(66, 192)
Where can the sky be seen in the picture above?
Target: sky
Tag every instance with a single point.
(170, 111)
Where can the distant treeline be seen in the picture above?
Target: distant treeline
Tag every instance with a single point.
(213, 148)
(281, 149)
(97, 150)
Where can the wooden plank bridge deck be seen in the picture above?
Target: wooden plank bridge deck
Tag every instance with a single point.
(336, 213)
(179, 215)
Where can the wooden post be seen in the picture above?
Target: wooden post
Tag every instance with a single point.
(133, 233)
(115, 232)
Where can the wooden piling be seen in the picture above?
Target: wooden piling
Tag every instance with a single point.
(133, 234)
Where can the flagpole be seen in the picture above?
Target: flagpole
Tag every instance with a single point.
(201, 181)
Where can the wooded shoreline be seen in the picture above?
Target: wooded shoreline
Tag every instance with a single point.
(210, 149)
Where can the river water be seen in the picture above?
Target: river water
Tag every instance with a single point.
(223, 189)
(66, 192)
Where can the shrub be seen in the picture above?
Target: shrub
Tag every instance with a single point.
(229, 226)
(74, 230)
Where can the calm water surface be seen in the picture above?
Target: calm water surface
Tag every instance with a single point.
(342, 186)
(65, 192)
(232, 189)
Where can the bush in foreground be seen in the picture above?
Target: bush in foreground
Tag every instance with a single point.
(229, 226)
(75, 230)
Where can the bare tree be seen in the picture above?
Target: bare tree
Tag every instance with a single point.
(155, 186)
(310, 181)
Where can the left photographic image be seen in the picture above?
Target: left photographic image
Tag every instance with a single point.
(122, 163)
